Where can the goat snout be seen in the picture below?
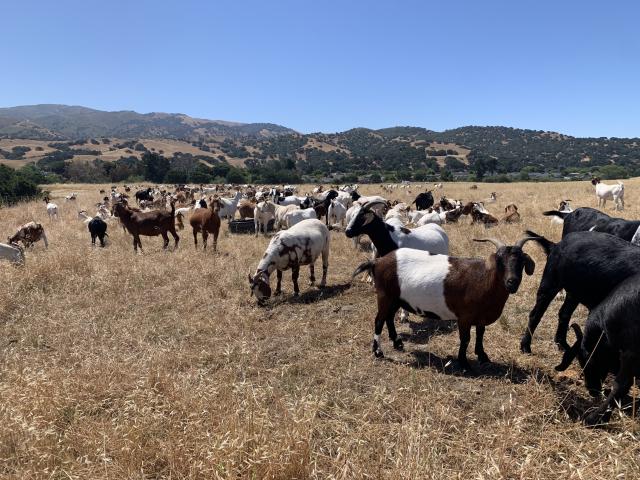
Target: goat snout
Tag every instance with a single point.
(512, 284)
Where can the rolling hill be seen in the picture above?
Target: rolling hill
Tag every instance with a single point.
(64, 122)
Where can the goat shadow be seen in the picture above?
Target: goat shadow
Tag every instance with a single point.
(422, 331)
(314, 294)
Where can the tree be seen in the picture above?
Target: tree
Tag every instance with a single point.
(446, 175)
(155, 167)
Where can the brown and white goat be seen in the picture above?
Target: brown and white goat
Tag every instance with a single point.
(511, 214)
(28, 234)
(149, 224)
(206, 221)
(472, 291)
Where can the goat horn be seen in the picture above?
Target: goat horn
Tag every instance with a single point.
(572, 353)
(495, 241)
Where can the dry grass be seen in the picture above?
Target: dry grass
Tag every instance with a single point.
(160, 366)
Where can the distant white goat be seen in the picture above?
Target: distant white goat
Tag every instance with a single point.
(609, 192)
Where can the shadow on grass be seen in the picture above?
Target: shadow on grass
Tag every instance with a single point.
(423, 331)
(312, 295)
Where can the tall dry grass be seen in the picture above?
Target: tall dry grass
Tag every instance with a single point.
(160, 365)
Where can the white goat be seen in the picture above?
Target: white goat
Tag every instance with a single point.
(230, 206)
(294, 217)
(606, 192)
(281, 212)
(300, 245)
(262, 214)
(337, 212)
(52, 210)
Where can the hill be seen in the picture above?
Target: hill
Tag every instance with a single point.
(63, 122)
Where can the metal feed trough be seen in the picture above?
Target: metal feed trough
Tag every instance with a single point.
(247, 226)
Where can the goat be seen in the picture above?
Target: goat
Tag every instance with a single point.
(180, 220)
(479, 216)
(70, 198)
(141, 195)
(280, 215)
(205, 221)
(263, 213)
(589, 219)
(293, 217)
(246, 208)
(606, 192)
(299, 245)
(558, 215)
(472, 291)
(149, 224)
(321, 205)
(337, 212)
(438, 186)
(84, 216)
(493, 197)
(387, 238)
(611, 343)
(423, 201)
(97, 228)
(52, 209)
(12, 252)
(229, 205)
(511, 214)
(587, 265)
(28, 234)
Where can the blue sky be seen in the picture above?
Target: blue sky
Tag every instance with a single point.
(567, 66)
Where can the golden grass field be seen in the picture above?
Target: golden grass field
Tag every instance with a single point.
(160, 365)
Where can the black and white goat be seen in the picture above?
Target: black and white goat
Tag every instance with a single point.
(300, 245)
(387, 237)
(610, 344)
(472, 291)
(588, 266)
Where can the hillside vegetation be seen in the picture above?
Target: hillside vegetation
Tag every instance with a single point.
(202, 150)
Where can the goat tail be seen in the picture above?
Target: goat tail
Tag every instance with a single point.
(367, 266)
(173, 207)
(546, 244)
(556, 213)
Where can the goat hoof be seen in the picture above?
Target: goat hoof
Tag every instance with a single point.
(525, 347)
(378, 353)
(398, 344)
(563, 346)
(483, 358)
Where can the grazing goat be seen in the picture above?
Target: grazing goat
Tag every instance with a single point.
(206, 221)
(589, 219)
(479, 215)
(52, 209)
(13, 252)
(28, 234)
(386, 237)
(511, 214)
(493, 197)
(149, 224)
(140, 195)
(70, 198)
(423, 201)
(610, 344)
(97, 228)
(472, 291)
(606, 192)
(587, 265)
(263, 213)
(290, 249)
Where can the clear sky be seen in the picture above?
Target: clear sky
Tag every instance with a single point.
(568, 66)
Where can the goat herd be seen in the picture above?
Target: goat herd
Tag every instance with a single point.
(597, 262)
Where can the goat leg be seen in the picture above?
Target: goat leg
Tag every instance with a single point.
(544, 297)
(295, 273)
(564, 316)
(279, 284)
(479, 350)
(621, 386)
(464, 331)
(312, 273)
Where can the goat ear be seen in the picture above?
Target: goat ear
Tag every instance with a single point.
(529, 264)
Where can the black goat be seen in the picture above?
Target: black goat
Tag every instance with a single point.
(423, 201)
(322, 206)
(587, 265)
(611, 343)
(97, 228)
(144, 195)
(585, 219)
